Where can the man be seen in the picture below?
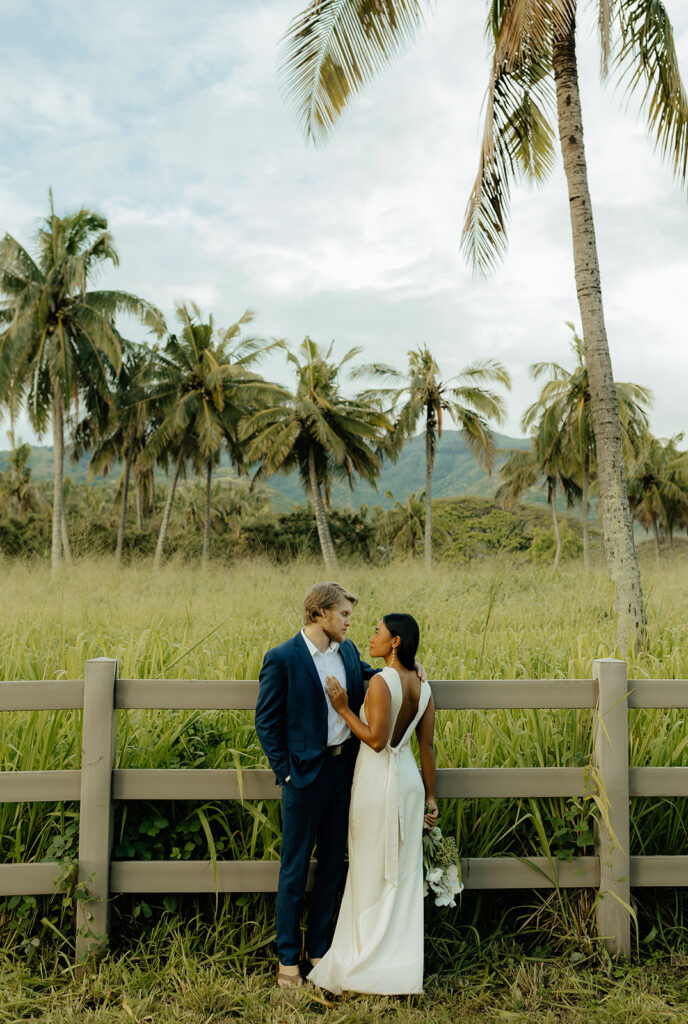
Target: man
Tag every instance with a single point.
(312, 753)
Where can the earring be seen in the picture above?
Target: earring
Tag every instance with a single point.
(394, 654)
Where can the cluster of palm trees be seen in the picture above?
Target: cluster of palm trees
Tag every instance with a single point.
(60, 347)
(563, 452)
(178, 403)
(334, 47)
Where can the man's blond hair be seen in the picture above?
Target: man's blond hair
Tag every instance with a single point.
(323, 596)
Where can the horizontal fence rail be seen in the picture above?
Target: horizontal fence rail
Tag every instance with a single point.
(259, 783)
(241, 694)
(97, 784)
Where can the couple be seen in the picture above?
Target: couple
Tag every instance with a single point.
(345, 764)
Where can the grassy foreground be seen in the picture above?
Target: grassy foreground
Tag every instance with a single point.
(191, 960)
(183, 989)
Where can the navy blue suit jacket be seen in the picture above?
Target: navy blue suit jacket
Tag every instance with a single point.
(291, 711)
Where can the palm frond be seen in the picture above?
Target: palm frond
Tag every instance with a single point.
(112, 303)
(334, 47)
(647, 61)
(376, 370)
(523, 27)
(518, 141)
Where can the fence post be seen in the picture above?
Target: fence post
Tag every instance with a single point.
(95, 820)
(612, 840)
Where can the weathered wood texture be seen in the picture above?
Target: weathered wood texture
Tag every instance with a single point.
(240, 694)
(259, 783)
(454, 694)
(41, 695)
(612, 839)
(261, 876)
(97, 784)
(95, 822)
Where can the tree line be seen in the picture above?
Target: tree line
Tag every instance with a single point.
(330, 51)
(177, 403)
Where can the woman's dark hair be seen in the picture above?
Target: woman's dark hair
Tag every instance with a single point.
(406, 628)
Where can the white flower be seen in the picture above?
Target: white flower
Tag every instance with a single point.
(436, 833)
(452, 873)
(445, 900)
(434, 876)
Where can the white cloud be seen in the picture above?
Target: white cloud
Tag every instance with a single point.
(167, 117)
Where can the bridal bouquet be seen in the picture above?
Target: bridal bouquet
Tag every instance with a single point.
(442, 867)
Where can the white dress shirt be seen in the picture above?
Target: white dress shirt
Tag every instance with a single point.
(330, 663)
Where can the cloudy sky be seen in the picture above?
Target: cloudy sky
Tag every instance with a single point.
(166, 117)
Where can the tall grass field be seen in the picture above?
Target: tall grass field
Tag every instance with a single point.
(501, 619)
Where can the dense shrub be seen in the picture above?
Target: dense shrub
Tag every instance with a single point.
(287, 536)
(474, 527)
(28, 536)
(463, 528)
(544, 543)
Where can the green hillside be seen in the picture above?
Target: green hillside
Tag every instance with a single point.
(456, 472)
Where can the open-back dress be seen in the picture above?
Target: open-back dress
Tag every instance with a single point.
(378, 940)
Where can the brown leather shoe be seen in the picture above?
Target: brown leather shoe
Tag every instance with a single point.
(285, 980)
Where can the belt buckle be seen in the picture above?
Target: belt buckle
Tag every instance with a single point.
(335, 750)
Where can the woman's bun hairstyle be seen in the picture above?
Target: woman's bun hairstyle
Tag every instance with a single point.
(406, 628)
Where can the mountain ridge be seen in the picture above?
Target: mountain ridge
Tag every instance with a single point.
(456, 472)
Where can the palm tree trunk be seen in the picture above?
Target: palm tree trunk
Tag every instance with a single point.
(555, 521)
(324, 535)
(584, 511)
(622, 560)
(66, 547)
(138, 484)
(58, 481)
(123, 511)
(655, 527)
(157, 562)
(428, 497)
(206, 533)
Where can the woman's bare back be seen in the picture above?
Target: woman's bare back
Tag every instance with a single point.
(410, 688)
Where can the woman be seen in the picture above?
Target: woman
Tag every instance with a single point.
(378, 941)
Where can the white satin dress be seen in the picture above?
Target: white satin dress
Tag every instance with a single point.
(378, 940)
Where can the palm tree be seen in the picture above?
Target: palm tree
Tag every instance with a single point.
(403, 525)
(676, 505)
(319, 432)
(425, 395)
(59, 333)
(205, 386)
(565, 399)
(658, 485)
(546, 457)
(16, 486)
(119, 426)
(239, 503)
(335, 46)
(528, 54)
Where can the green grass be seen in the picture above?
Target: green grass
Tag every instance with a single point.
(198, 991)
(501, 618)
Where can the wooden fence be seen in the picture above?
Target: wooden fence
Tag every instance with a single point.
(612, 871)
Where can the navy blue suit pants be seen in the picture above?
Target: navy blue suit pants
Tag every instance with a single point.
(317, 815)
